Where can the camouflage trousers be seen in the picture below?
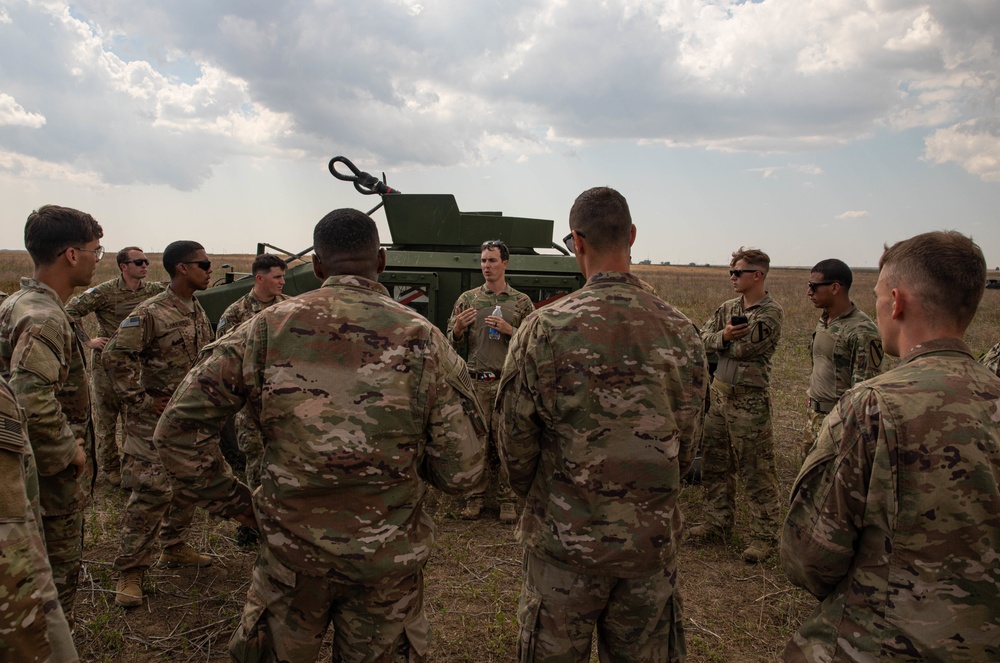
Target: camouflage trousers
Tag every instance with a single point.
(811, 432)
(486, 394)
(250, 441)
(150, 511)
(287, 614)
(738, 441)
(107, 409)
(62, 527)
(637, 619)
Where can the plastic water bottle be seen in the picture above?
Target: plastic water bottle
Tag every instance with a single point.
(494, 332)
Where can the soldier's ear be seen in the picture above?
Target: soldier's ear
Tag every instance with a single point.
(381, 260)
(318, 267)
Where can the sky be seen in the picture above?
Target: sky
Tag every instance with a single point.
(808, 128)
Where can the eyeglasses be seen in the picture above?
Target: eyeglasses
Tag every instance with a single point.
(98, 252)
(568, 240)
(138, 262)
(740, 272)
(202, 264)
(813, 286)
(492, 244)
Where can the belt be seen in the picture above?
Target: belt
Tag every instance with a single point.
(733, 390)
(484, 376)
(820, 406)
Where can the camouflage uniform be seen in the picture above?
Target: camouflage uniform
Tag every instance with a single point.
(362, 402)
(146, 359)
(895, 517)
(248, 437)
(845, 351)
(485, 358)
(32, 624)
(43, 361)
(599, 415)
(991, 359)
(110, 302)
(738, 439)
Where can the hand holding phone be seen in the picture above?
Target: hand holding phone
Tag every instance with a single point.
(739, 320)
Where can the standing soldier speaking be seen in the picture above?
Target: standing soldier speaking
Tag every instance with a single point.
(482, 338)
(111, 302)
(146, 359)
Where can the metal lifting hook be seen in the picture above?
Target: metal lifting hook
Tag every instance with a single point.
(365, 183)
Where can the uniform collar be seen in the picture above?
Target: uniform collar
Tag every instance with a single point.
(825, 318)
(353, 281)
(615, 277)
(935, 346)
(484, 289)
(29, 283)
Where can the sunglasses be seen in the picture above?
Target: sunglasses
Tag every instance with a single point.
(98, 252)
(202, 264)
(813, 286)
(138, 262)
(740, 272)
(492, 244)
(568, 240)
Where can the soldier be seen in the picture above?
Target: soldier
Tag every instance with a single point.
(845, 348)
(991, 359)
(482, 339)
(32, 624)
(738, 439)
(894, 522)
(43, 360)
(111, 302)
(362, 403)
(146, 359)
(600, 410)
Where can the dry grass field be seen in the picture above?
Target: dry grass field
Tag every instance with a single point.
(734, 612)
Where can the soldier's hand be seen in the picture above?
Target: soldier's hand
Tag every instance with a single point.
(500, 325)
(97, 343)
(733, 332)
(79, 458)
(463, 321)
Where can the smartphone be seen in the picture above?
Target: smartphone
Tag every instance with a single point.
(739, 320)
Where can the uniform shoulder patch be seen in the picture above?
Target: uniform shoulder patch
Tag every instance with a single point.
(875, 352)
(761, 332)
(131, 321)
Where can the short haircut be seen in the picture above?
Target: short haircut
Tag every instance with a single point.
(602, 216)
(345, 233)
(52, 229)
(263, 263)
(177, 252)
(752, 257)
(945, 269)
(835, 270)
(122, 256)
(499, 246)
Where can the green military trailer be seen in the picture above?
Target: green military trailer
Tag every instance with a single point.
(433, 256)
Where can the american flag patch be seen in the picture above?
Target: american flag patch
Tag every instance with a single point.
(11, 434)
(130, 322)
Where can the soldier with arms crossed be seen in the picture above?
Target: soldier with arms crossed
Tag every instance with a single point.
(111, 302)
(601, 405)
(146, 359)
(845, 348)
(482, 339)
(43, 360)
(363, 404)
(894, 522)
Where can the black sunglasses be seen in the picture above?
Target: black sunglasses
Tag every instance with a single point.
(740, 272)
(492, 244)
(202, 264)
(812, 286)
(568, 240)
(138, 262)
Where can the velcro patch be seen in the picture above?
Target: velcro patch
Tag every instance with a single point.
(11, 434)
(875, 352)
(131, 322)
(761, 332)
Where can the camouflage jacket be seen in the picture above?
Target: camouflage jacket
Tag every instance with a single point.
(991, 359)
(746, 361)
(845, 351)
(43, 360)
(895, 517)
(600, 413)
(361, 403)
(148, 357)
(111, 302)
(475, 346)
(242, 310)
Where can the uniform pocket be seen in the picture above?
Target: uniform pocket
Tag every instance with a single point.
(527, 621)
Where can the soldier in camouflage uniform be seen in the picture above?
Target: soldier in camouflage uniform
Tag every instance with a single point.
(894, 522)
(600, 410)
(362, 403)
(738, 438)
(32, 624)
(269, 278)
(991, 359)
(845, 348)
(469, 329)
(146, 359)
(42, 359)
(111, 302)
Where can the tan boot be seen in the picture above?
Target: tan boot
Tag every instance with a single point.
(757, 552)
(128, 592)
(507, 512)
(182, 555)
(114, 477)
(472, 508)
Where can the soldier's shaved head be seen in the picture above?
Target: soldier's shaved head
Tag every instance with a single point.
(602, 217)
(346, 241)
(177, 252)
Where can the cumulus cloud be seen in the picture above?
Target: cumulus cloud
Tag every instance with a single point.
(973, 145)
(853, 214)
(12, 114)
(164, 92)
